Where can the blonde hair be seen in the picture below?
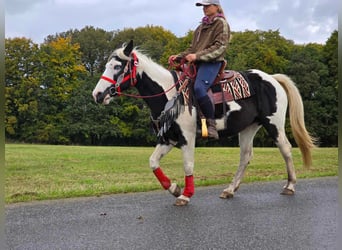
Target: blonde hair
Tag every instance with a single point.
(220, 10)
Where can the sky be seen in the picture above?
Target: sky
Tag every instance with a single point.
(302, 21)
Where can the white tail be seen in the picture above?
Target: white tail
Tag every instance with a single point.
(302, 137)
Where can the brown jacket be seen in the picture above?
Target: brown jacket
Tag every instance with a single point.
(210, 41)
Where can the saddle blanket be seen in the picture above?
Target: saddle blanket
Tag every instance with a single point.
(234, 88)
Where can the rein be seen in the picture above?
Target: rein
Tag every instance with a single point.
(189, 73)
(149, 96)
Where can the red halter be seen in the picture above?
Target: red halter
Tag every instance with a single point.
(132, 68)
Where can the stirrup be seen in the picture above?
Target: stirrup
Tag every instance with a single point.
(205, 133)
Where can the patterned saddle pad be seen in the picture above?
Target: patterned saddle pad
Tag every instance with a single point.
(232, 86)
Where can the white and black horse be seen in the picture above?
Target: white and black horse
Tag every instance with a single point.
(127, 67)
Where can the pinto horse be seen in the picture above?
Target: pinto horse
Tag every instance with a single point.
(128, 67)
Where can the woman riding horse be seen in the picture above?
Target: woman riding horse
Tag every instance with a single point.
(207, 50)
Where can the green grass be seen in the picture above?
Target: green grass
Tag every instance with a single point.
(41, 172)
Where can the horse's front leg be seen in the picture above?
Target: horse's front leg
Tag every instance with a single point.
(188, 159)
(160, 151)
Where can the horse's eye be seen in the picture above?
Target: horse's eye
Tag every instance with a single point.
(117, 67)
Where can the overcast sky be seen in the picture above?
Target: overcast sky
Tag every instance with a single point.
(302, 21)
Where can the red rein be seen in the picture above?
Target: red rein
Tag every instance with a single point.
(188, 71)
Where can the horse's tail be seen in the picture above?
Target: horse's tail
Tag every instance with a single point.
(296, 112)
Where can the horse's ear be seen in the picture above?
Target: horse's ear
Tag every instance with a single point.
(128, 49)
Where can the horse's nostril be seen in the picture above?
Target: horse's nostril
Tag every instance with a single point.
(99, 97)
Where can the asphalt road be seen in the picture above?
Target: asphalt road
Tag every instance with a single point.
(258, 217)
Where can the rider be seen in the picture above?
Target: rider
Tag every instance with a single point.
(207, 50)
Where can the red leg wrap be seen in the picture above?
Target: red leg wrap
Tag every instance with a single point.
(163, 179)
(189, 189)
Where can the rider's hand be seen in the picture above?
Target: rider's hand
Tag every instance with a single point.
(172, 58)
(190, 57)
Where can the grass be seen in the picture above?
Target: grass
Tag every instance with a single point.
(41, 172)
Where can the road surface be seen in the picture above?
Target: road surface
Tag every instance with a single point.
(258, 217)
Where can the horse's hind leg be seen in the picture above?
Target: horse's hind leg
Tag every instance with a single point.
(276, 129)
(246, 154)
(160, 151)
(285, 150)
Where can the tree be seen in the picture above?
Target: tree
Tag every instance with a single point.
(316, 80)
(175, 46)
(21, 87)
(94, 46)
(87, 123)
(150, 39)
(60, 71)
(48, 87)
(330, 54)
(264, 50)
(328, 93)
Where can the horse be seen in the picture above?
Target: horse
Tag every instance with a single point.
(128, 67)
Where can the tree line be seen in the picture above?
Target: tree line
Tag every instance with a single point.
(48, 86)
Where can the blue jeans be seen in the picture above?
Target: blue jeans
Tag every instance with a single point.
(206, 74)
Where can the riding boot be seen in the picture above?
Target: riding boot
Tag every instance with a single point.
(207, 109)
(212, 131)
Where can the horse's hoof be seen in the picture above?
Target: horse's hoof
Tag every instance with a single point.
(175, 190)
(226, 195)
(181, 201)
(287, 192)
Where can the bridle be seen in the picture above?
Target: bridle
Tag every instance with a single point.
(131, 69)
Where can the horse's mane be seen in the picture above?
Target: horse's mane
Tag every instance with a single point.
(146, 63)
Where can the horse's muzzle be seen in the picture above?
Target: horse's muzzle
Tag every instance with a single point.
(100, 96)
